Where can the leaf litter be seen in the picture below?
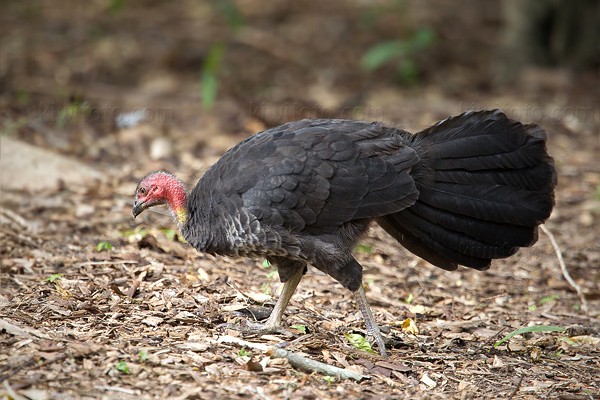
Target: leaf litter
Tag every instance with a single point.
(96, 305)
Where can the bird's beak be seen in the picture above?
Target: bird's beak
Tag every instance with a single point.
(138, 208)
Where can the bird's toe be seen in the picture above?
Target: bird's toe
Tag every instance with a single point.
(250, 328)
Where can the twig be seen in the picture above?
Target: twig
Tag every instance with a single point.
(15, 217)
(11, 393)
(307, 364)
(107, 263)
(25, 332)
(60, 357)
(116, 389)
(20, 237)
(136, 283)
(489, 340)
(296, 360)
(563, 268)
(239, 292)
(516, 389)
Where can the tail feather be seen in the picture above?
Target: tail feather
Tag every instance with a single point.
(489, 203)
(454, 239)
(524, 157)
(522, 178)
(491, 233)
(415, 240)
(485, 184)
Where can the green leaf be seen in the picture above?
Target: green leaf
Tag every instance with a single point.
(122, 366)
(265, 288)
(536, 328)
(243, 352)
(16, 125)
(169, 233)
(104, 246)
(266, 264)
(116, 6)
(301, 328)
(566, 340)
(138, 230)
(549, 298)
(231, 12)
(329, 379)
(363, 248)
(209, 81)
(359, 342)
(409, 299)
(423, 38)
(271, 274)
(381, 53)
(143, 355)
(74, 112)
(408, 71)
(52, 278)
(210, 85)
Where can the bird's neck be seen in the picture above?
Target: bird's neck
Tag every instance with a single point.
(176, 198)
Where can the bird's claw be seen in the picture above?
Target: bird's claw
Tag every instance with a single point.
(377, 337)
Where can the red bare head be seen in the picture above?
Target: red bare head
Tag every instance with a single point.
(160, 188)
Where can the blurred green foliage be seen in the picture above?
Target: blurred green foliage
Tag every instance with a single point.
(363, 248)
(12, 127)
(53, 278)
(229, 10)
(209, 82)
(104, 246)
(74, 112)
(401, 52)
(115, 6)
(122, 366)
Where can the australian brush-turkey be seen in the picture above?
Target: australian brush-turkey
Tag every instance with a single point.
(467, 190)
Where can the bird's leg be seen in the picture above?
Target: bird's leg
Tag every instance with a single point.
(289, 287)
(273, 323)
(372, 327)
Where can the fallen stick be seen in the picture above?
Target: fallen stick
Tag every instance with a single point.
(297, 360)
(115, 262)
(136, 283)
(563, 268)
(11, 393)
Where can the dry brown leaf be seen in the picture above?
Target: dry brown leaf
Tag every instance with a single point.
(497, 363)
(587, 339)
(253, 366)
(428, 381)
(410, 326)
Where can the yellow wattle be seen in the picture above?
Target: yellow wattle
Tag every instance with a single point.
(181, 215)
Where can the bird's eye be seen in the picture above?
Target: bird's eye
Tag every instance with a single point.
(143, 191)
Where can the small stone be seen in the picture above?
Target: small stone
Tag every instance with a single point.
(152, 321)
(84, 210)
(160, 148)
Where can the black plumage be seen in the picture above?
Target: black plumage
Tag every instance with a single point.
(472, 188)
(465, 191)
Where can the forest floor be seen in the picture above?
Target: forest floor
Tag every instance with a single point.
(97, 305)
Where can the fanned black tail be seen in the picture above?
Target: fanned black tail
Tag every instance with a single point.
(485, 184)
